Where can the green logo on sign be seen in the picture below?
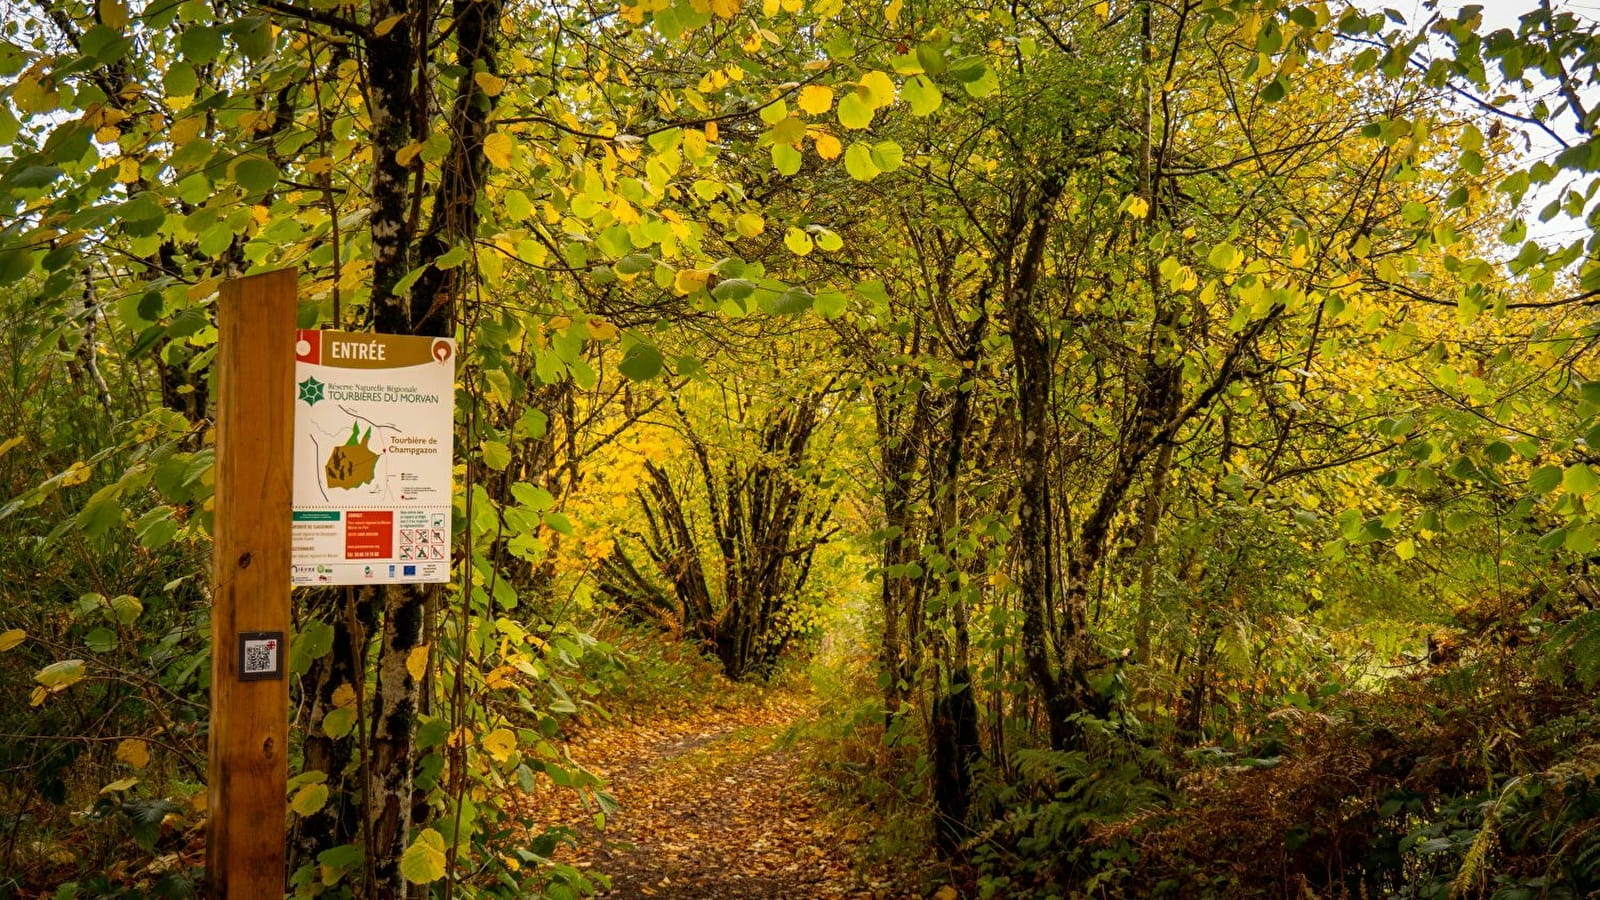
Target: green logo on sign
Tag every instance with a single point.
(311, 391)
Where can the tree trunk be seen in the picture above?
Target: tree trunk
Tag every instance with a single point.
(953, 730)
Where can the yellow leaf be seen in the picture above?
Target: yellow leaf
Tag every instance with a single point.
(388, 24)
(121, 784)
(500, 744)
(828, 146)
(749, 224)
(344, 696)
(76, 474)
(408, 154)
(114, 13)
(134, 752)
(423, 862)
(185, 130)
(322, 165)
(727, 9)
(880, 89)
(10, 443)
(797, 241)
(815, 99)
(633, 15)
(128, 170)
(497, 148)
(9, 639)
(892, 11)
(946, 893)
(490, 84)
(200, 290)
(601, 330)
(1103, 9)
(711, 131)
(417, 662)
(309, 799)
(624, 211)
(1138, 207)
(687, 281)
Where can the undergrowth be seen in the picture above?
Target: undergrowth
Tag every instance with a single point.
(1475, 778)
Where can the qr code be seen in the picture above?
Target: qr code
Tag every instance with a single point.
(260, 657)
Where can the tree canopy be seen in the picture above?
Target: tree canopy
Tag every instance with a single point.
(1116, 413)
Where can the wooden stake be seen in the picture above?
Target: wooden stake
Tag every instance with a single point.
(245, 837)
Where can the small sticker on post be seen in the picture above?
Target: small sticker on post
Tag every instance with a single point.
(260, 655)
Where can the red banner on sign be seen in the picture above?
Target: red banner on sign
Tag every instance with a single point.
(369, 534)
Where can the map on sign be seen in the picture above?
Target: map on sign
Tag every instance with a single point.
(373, 458)
(352, 463)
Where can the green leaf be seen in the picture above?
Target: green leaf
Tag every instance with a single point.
(968, 69)
(126, 608)
(1553, 539)
(452, 258)
(253, 34)
(633, 264)
(1544, 480)
(100, 640)
(313, 642)
(344, 856)
(423, 862)
(533, 423)
(854, 111)
(1579, 479)
(1223, 256)
(922, 94)
(733, 289)
(30, 176)
(858, 162)
(789, 130)
(786, 159)
(789, 303)
(103, 510)
(15, 265)
(984, 85)
(830, 303)
(432, 731)
(558, 522)
(1580, 539)
(496, 455)
(641, 362)
(200, 44)
(887, 156)
(338, 722)
(255, 174)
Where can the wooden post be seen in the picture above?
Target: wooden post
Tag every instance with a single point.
(249, 774)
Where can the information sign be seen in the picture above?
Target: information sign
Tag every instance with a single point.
(372, 458)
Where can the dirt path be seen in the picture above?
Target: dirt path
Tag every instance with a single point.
(712, 808)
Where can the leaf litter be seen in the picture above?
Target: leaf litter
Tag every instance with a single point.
(715, 804)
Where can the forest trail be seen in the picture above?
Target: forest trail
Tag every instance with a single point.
(713, 805)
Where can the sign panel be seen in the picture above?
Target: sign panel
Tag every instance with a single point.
(372, 457)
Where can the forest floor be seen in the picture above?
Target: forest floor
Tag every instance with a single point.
(715, 804)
